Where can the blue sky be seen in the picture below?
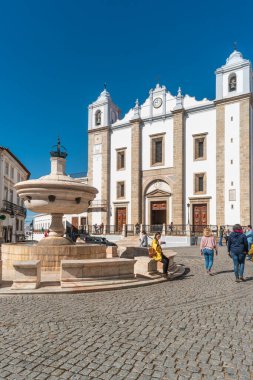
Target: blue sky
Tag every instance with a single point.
(57, 54)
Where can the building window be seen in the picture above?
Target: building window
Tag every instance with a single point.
(18, 177)
(231, 162)
(11, 196)
(12, 172)
(6, 168)
(232, 83)
(98, 118)
(232, 140)
(121, 189)
(232, 183)
(200, 183)
(17, 224)
(232, 195)
(6, 193)
(120, 159)
(21, 225)
(199, 147)
(157, 150)
(231, 118)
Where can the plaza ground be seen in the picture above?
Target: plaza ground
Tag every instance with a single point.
(198, 327)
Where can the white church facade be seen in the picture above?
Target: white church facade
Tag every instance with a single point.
(173, 158)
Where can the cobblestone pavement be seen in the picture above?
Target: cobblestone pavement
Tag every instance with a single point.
(199, 327)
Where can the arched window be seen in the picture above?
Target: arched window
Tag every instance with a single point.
(98, 118)
(232, 83)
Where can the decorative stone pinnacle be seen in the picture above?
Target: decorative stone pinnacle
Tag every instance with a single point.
(179, 100)
(137, 110)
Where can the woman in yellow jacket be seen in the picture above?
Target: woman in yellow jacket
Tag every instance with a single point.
(159, 256)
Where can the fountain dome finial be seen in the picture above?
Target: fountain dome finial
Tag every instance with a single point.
(58, 152)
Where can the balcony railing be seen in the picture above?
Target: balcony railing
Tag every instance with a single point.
(13, 209)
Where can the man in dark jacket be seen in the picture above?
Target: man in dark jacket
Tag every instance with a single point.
(237, 249)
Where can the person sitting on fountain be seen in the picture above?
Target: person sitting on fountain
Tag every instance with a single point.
(159, 256)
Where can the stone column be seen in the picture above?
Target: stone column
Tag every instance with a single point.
(56, 228)
(245, 167)
(136, 200)
(101, 136)
(179, 166)
(220, 162)
(106, 173)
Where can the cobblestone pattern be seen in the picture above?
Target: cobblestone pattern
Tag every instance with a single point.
(196, 328)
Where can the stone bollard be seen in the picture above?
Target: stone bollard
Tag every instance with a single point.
(124, 230)
(111, 251)
(27, 274)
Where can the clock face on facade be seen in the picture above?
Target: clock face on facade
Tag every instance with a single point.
(157, 102)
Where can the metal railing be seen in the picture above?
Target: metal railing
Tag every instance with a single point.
(13, 209)
(176, 229)
(113, 230)
(153, 228)
(197, 230)
(131, 229)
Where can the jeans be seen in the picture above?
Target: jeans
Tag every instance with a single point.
(220, 241)
(165, 262)
(208, 254)
(239, 260)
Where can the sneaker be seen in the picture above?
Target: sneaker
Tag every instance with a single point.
(242, 279)
(165, 275)
(237, 280)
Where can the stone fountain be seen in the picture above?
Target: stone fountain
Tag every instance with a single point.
(55, 194)
(79, 265)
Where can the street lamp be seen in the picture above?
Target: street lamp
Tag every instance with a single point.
(188, 207)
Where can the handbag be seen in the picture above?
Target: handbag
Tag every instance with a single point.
(151, 252)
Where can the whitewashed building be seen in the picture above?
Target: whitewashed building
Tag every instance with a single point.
(174, 158)
(11, 206)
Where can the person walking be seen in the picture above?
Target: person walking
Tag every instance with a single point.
(207, 248)
(249, 236)
(144, 239)
(237, 249)
(159, 256)
(221, 236)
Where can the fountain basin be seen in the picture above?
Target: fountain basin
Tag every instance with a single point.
(49, 256)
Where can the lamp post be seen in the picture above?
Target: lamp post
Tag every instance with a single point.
(188, 207)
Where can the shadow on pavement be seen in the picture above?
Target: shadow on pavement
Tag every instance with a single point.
(223, 271)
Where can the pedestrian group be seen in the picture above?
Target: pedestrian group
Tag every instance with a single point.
(239, 244)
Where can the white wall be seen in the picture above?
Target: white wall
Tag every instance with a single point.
(232, 152)
(97, 179)
(197, 123)
(121, 138)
